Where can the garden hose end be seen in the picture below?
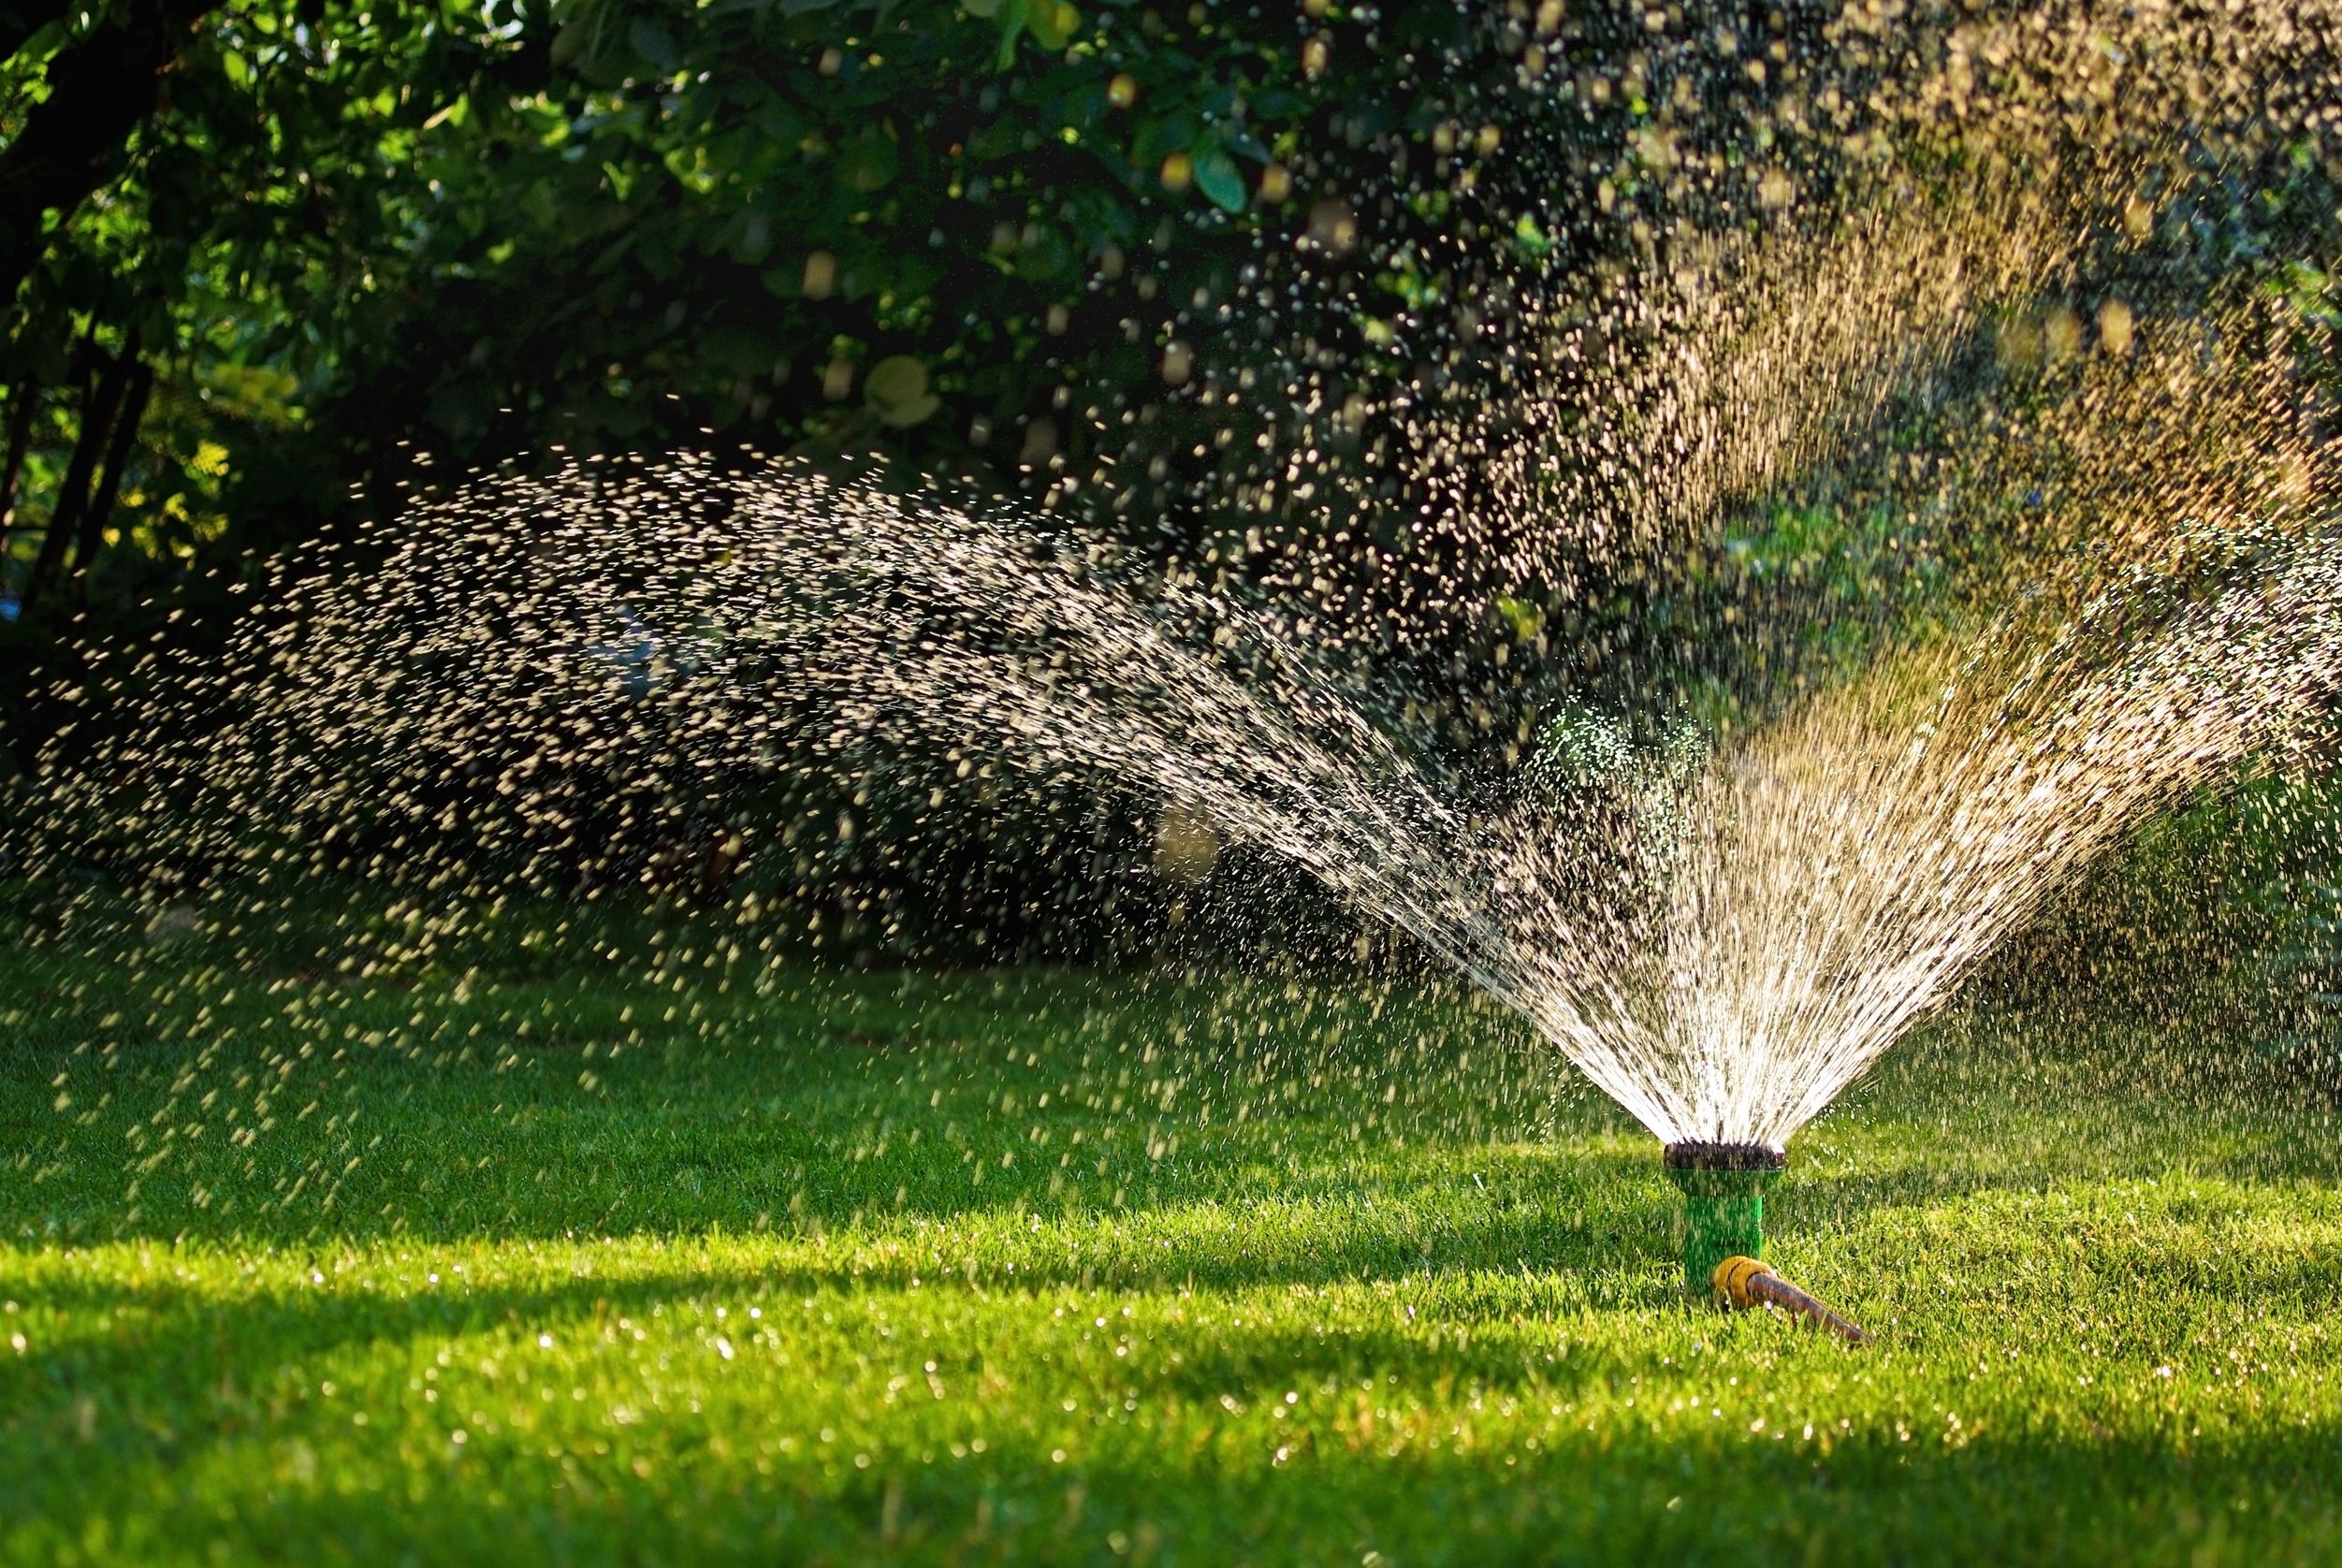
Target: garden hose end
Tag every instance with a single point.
(1744, 1282)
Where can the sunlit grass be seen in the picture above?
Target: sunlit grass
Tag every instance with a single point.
(1062, 1267)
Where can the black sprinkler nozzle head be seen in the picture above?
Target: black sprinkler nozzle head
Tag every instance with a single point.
(1691, 1154)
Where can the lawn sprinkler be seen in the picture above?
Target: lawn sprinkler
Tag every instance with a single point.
(1723, 1203)
(1724, 1231)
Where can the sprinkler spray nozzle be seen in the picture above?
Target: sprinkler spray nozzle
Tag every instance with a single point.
(1744, 1282)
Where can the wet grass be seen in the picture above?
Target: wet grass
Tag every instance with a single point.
(606, 1266)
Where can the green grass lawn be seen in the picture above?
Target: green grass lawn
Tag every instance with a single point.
(594, 1264)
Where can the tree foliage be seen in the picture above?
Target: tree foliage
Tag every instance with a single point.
(275, 265)
(273, 255)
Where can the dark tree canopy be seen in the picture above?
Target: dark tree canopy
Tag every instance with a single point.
(276, 265)
(263, 253)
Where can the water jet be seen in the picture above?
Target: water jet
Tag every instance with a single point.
(1881, 605)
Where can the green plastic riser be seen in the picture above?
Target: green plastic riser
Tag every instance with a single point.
(1724, 1216)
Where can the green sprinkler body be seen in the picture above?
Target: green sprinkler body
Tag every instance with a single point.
(1723, 1203)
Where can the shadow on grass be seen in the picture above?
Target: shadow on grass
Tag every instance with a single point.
(1523, 1268)
(1639, 1498)
(2053, 1489)
(1541, 1249)
(166, 1382)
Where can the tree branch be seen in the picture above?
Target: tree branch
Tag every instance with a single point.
(23, 407)
(98, 408)
(101, 507)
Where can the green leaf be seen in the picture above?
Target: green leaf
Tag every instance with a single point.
(649, 37)
(1051, 22)
(1526, 619)
(573, 43)
(896, 390)
(1216, 176)
(1011, 15)
(869, 161)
